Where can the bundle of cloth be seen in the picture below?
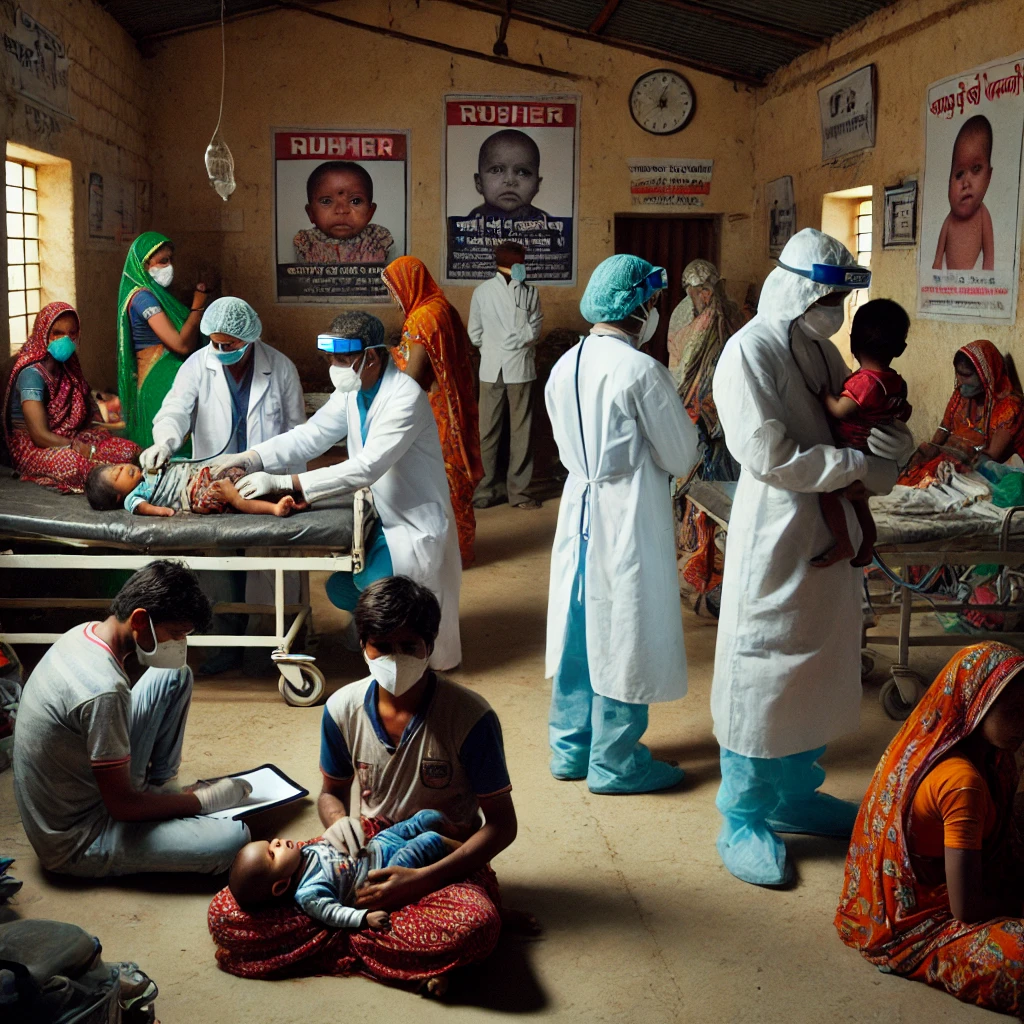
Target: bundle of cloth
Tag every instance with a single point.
(450, 928)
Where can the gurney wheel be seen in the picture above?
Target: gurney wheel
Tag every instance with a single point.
(306, 692)
(892, 700)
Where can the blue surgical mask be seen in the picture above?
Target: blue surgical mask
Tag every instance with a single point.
(518, 271)
(971, 390)
(62, 349)
(232, 357)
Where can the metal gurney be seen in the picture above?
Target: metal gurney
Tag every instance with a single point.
(963, 537)
(326, 539)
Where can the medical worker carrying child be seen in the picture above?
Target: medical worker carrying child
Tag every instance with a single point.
(787, 662)
(393, 449)
(615, 634)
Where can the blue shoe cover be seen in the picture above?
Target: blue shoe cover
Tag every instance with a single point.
(817, 815)
(654, 776)
(567, 769)
(754, 854)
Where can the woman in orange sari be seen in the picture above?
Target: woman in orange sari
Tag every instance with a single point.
(435, 352)
(984, 417)
(932, 889)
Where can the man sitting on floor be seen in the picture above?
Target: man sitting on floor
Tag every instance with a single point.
(94, 757)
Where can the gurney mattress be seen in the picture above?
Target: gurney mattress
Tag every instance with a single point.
(28, 511)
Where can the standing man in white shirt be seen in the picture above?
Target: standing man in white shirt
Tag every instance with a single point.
(504, 323)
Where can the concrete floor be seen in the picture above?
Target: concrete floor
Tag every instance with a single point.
(641, 921)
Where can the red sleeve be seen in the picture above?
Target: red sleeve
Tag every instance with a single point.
(864, 390)
(1006, 415)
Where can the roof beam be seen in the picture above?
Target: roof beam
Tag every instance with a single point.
(604, 16)
(802, 39)
(621, 44)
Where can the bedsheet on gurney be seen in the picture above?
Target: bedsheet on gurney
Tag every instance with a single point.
(31, 512)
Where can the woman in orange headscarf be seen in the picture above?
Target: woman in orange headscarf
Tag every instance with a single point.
(984, 416)
(932, 889)
(435, 352)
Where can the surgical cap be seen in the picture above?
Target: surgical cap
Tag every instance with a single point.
(700, 274)
(228, 315)
(616, 288)
(358, 325)
(786, 295)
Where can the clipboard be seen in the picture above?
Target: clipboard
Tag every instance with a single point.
(270, 788)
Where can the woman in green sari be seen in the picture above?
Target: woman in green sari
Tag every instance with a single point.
(155, 332)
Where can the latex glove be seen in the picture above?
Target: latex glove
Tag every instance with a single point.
(248, 462)
(255, 485)
(346, 835)
(894, 442)
(155, 457)
(224, 793)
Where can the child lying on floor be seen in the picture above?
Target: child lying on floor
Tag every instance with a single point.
(324, 881)
(182, 486)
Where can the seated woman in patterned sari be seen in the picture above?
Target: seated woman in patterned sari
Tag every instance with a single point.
(933, 885)
(52, 425)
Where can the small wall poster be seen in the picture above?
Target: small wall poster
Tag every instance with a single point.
(657, 184)
(970, 209)
(781, 214)
(847, 110)
(511, 174)
(341, 208)
(37, 60)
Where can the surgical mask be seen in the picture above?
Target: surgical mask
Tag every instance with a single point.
(518, 271)
(232, 357)
(62, 349)
(396, 673)
(162, 275)
(166, 654)
(650, 322)
(821, 322)
(971, 390)
(346, 378)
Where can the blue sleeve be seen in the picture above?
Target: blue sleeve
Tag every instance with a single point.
(335, 759)
(321, 904)
(31, 386)
(141, 493)
(482, 755)
(144, 304)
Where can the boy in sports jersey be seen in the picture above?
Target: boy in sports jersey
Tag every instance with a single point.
(415, 741)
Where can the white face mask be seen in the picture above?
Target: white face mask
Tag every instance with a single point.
(162, 275)
(650, 322)
(346, 378)
(821, 322)
(396, 673)
(169, 654)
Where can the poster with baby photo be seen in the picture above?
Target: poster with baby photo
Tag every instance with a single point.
(511, 174)
(970, 211)
(341, 212)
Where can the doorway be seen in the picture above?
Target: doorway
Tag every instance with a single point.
(669, 242)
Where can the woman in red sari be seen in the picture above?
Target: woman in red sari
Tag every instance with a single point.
(435, 352)
(984, 417)
(50, 418)
(932, 889)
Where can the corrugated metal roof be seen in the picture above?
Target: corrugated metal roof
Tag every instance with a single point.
(743, 39)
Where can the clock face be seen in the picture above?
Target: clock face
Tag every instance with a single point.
(661, 102)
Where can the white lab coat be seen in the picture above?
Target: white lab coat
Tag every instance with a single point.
(787, 661)
(200, 401)
(504, 323)
(402, 465)
(638, 437)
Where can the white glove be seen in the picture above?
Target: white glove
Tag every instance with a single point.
(255, 485)
(894, 442)
(248, 462)
(155, 457)
(346, 835)
(224, 793)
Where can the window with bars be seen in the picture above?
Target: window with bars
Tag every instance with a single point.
(862, 237)
(23, 292)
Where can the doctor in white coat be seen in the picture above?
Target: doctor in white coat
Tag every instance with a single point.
(615, 634)
(394, 449)
(787, 662)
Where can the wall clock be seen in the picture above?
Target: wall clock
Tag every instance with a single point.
(662, 102)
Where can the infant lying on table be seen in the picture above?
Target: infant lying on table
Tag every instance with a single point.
(181, 486)
(324, 881)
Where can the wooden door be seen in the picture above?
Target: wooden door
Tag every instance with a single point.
(669, 242)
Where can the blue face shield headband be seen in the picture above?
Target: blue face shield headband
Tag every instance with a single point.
(654, 282)
(337, 345)
(832, 276)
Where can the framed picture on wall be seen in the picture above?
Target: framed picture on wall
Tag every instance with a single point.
(900, 216)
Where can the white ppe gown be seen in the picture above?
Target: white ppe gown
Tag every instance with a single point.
(401, 463)
(638, 437)
(787, 661)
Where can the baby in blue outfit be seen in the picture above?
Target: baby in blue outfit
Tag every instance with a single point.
(323, 881)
